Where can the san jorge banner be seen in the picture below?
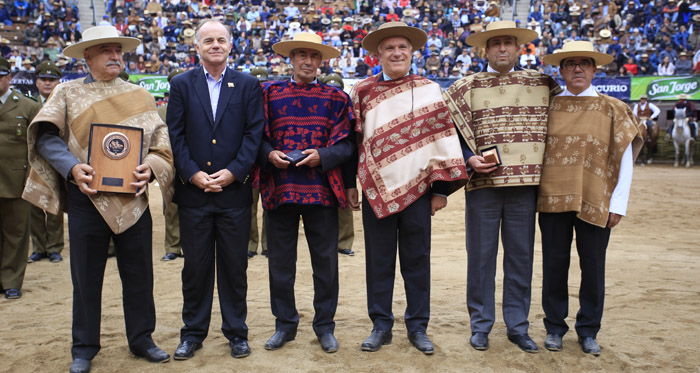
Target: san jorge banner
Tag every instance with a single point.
(157, 85)
(666, 88)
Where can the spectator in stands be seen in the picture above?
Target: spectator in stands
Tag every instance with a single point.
(684, 66)
(22, 8)
(631, 66)
(667, 68)
(645, 66)
(5, 15)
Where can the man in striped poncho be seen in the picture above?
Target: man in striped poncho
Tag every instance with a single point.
(409, 161)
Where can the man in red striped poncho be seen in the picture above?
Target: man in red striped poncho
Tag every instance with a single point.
(409, 161)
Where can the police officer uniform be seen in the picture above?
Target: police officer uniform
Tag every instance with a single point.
(171, 244)
(255, 238)
(46, 229)
(346, 226)
(16, 112)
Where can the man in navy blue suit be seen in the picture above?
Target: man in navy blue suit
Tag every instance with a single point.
(215, 118)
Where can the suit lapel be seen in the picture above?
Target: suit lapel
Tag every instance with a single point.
(202, 90)
(228, 86)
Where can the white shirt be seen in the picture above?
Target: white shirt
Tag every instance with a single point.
(621, 194)
(654, 109)
(214, 89)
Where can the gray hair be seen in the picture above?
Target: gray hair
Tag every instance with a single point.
(201, 24)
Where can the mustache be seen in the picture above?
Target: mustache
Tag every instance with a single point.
(117, 63)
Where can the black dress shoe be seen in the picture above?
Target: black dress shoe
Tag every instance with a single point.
(35, 257)
(279, 339)
(13, 293)
(480, 341)
(264, 253)
(55, 258)
(328, 342)
(239, 347)
(80, 365)
(524, 342)
(169, 256)
(185, 350)
(251, 254)
(347, 252)
(589, 345)
(553, 342)
(376, 340)
(421, 341)
(154, 355)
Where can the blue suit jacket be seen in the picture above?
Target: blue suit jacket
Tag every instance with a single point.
(201, 142)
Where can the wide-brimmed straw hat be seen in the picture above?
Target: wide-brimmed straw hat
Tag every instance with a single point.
(100, 35)
(308, 40)
(416, 36)
(578, 49)
(501, 28)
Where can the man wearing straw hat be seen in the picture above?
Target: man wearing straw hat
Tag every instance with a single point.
(306, 140)
(592, 141)
(58, 141)
(501, 114)
(409, 161)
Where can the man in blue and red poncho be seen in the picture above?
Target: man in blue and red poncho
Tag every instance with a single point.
(305, 141)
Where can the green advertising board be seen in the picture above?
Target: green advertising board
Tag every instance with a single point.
(155, 84)
(666, 87)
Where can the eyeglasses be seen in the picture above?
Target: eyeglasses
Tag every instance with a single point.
(571, 65)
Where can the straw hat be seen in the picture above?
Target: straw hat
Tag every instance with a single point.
(578, 49)
(100, 35)
(682, 96)
(294, 25)
(501, 28)
(416, 36)
(306, 40)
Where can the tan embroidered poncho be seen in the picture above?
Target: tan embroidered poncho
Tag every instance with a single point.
(72, 107)
(407, 141)
(508, 111)
(586, 139)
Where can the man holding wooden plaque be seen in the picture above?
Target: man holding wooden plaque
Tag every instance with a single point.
(501, 114)
(103, 176)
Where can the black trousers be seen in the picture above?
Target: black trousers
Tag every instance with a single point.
(321, 230)
(408, 232)
(89, 241)
(209, 235)
(591, 243)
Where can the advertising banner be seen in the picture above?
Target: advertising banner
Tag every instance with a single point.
(666, 88)
(618, 87)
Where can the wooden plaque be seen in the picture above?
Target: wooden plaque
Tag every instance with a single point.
(491, 155)
(114, 154)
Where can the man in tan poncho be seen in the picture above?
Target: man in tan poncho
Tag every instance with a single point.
(58, 141)
(502, 110)
(592, 141)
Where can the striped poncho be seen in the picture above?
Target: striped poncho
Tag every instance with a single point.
(300, 117)
(508, 111)
(407, 141)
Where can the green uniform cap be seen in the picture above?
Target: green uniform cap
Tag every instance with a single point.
(260, 73)
(4, 66)
(48, 69)
(174, 73)
(334, 80)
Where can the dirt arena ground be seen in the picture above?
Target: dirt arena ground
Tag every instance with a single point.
(650, 321)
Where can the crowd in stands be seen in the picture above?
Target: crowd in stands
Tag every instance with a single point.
(657, 37)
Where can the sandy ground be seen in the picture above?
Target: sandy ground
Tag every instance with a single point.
(650, 320)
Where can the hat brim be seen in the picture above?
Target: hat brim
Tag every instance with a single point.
(416, 36)
(522, 36)
(286, 47)
(50, 76)
(76, 50)
(600, 59)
